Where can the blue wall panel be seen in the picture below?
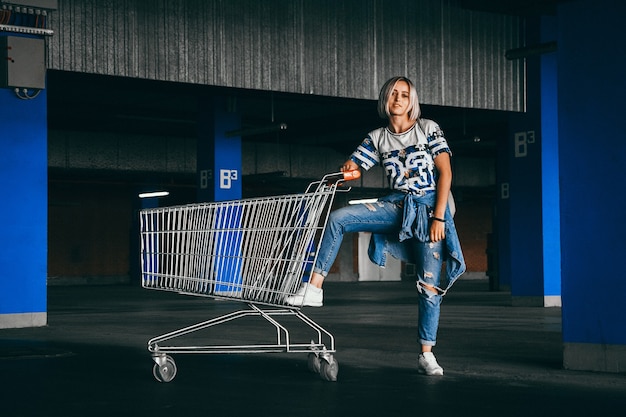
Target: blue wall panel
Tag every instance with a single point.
(550, 166)
(24, 209)
(592, 159)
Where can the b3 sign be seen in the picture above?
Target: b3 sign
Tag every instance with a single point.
(227, 176)
(521, 141)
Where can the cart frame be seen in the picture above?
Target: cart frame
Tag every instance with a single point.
(255, 251)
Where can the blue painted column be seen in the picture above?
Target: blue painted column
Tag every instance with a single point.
(592, 161)
(524, 189)
(550, 190)
(528, 210)
(219, 153)
(525, 211)
(219, 179)
(24, 210)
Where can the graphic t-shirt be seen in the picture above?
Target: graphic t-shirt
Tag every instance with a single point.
(408, 157)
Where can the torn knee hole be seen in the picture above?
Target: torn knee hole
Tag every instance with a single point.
(429, 288)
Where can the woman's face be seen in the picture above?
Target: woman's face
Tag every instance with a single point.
(398, 103)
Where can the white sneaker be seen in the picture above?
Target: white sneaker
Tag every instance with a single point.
(307, 295)
(427, 364)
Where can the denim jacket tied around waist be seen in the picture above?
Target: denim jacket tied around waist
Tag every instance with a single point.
(415, 224)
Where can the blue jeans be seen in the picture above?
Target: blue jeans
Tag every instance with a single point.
(386, 217)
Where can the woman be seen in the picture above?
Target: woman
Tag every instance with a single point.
(416, 157)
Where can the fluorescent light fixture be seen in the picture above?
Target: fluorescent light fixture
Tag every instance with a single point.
(363, 201)
(154, 194)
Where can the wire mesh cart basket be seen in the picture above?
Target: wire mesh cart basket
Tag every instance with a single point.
(256, 251)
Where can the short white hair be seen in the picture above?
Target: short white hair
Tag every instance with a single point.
(387, 89)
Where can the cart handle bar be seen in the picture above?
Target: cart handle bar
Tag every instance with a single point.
(343, 176)
(351, 175)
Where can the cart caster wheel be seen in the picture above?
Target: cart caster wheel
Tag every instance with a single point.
(314, 363)
(166, 371)
(329, 368)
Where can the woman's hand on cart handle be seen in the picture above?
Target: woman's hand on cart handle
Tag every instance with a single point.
(350, 170)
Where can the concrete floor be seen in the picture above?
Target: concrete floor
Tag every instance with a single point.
(91, 360)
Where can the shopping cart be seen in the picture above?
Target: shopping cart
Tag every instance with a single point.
(255, 251)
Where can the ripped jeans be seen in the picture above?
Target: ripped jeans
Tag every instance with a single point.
(386, 217)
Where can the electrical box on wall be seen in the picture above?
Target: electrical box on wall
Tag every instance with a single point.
(22, 62)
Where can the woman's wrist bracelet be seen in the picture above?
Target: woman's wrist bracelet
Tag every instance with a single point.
(438, 219)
